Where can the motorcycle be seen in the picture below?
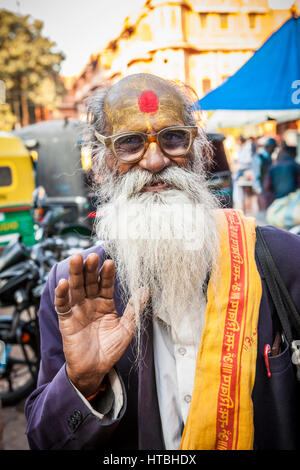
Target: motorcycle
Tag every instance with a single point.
(59, 217)
(23, 274)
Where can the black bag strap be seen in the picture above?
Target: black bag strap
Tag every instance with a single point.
(284, 305)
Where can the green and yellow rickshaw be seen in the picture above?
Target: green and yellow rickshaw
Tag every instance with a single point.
(17, 183)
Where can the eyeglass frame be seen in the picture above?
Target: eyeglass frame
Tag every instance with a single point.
(109, 141)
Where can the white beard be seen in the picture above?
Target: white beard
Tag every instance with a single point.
(147, 234)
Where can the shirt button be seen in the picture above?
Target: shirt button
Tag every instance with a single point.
(182, 351)
(187, 398)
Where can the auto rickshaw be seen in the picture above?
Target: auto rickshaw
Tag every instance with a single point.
(17, 183)
(60, 171)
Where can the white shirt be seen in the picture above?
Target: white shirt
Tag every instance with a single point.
(245, 156)
(175, 354)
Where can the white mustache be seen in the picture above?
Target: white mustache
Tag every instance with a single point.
(134, 182)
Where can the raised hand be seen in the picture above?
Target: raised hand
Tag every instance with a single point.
(94, 336)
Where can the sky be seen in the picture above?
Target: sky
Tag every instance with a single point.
(83, 27)
(79, 27)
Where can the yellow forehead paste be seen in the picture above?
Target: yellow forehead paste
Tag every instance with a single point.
(149, 127)
(137, 100)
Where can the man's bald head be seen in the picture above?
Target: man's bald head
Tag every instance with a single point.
(140, 100)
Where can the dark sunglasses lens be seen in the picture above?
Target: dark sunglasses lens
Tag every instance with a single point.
(175, 142)
(129, 147)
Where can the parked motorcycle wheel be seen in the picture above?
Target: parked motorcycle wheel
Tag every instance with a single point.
(76, 229)
(18, 376)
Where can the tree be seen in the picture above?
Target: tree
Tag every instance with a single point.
(29, 66)
(7, 118)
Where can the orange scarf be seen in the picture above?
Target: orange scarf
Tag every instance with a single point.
(221, 412)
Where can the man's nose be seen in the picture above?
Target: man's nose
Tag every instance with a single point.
(154, 160)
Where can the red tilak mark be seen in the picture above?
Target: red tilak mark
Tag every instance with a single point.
(148, 102)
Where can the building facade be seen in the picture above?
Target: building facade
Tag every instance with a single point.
(198, 42)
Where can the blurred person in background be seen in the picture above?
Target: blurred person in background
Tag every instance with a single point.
(253, 145)
(243, 179)
(283, 176)
(244, 158)
(261, 163)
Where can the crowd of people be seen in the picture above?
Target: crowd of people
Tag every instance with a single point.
(266, 171)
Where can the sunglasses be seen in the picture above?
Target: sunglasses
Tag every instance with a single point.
(131, 146)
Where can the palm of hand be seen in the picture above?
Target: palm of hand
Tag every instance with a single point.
(94, 337)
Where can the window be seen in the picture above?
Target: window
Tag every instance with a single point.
(206, 85)
(5, 176)
(203, 19)
(252, 20)
(224, 20)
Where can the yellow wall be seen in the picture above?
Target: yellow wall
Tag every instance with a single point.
(185, 40)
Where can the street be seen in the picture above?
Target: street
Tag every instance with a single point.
(13, 420)
(14, 426)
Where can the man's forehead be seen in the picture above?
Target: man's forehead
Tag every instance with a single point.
(141, 99)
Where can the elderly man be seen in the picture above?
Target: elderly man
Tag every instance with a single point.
(155, 338)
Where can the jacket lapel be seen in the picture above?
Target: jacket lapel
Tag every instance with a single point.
(150, 431)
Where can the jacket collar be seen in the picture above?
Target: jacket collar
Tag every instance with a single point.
(150, 430)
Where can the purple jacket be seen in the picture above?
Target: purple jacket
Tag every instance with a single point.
(57, 418)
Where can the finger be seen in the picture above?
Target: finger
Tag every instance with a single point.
(134, 309)
(61, 299)
(107, 278)
(91, 275)
(76, 279)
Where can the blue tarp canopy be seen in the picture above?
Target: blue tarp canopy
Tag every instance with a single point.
(270, 79)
